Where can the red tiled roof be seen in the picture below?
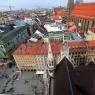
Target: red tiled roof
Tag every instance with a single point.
(38, 48)
(56, 17)
(81, 43)
(24, 14)
(59, 11)
(84, 10)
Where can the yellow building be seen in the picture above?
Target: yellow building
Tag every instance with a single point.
(39, 55)
(36, 56)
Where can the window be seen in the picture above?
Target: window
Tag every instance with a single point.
(49, 64)
(93, 23)
(1, 46)
(66, 37)
(52, 64)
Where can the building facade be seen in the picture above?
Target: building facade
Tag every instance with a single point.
(82, 52)
(70, 7)
(68, 36)
(84, 15)
(58, 13)
(36, 55)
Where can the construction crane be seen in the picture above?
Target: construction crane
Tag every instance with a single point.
(7, 6)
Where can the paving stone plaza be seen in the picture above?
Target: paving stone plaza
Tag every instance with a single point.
(27, 83)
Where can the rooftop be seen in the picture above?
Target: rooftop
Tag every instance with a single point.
(59, 11)
(84, 10)
(79, 80)
(24, 14)
(38, 48)
(81, 43)
(52, 28)
(73, 36)
(11, 34)
(56, 17)
(41, 48)
(69, 36)
(62, 78)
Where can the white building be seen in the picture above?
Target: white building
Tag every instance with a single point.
(38, 55)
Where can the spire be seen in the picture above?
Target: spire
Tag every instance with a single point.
(50, 55)
(50, 61)
(61, 53)
(66, 50)
(63, 37)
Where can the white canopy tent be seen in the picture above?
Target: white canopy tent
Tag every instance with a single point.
(33, 39)
(40, 72)
(52, 28)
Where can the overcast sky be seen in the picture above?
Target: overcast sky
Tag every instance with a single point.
(29, 4)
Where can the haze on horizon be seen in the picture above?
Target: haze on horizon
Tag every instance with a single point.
(31, 4)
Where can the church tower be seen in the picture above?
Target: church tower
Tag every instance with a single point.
(64, 49)
(50, 61)
(70, 6)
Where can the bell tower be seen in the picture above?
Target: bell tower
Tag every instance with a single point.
(70, 7)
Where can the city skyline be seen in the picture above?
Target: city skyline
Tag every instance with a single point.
(30, 4)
